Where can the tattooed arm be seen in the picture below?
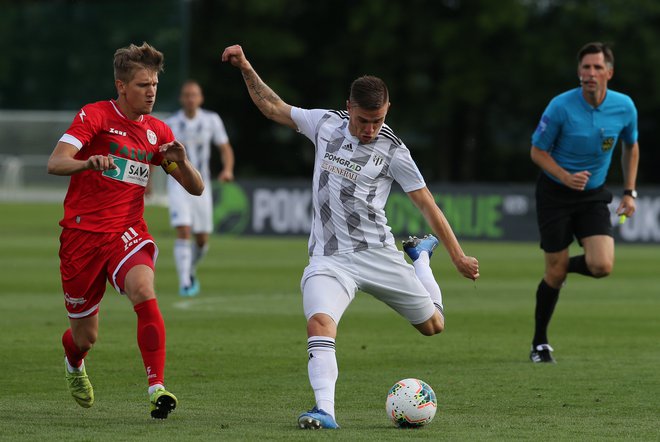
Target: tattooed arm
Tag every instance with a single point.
(268, 102)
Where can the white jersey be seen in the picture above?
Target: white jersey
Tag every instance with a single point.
(198, 135)
(352, 182)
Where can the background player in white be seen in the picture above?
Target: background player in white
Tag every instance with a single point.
(350, 246)
(197, 129)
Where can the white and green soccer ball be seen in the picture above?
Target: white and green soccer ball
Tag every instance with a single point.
(411, 403)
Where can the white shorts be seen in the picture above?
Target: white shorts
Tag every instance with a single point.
(190, 210)
(329, 284)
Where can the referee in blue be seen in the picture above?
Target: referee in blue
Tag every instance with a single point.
(573, 146)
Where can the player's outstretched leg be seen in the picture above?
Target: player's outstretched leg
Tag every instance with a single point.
(413, 246)
(317, 419)
(162, 403)
(79, 385)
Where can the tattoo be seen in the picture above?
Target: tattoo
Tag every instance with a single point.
(259, 88)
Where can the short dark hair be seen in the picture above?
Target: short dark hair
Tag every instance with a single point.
(369, 92)
(127, 60)
(597, 47)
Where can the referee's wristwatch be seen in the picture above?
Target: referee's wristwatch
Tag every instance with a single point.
(630, 192)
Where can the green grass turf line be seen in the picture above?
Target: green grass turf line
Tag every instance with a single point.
(237, 352)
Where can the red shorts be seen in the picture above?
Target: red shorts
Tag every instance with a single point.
(88, 259)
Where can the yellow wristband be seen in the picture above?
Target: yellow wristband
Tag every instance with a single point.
(168, 166)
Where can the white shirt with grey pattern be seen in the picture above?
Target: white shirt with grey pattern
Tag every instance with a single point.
(352, 182)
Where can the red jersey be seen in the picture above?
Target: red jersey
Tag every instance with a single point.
(112, 200)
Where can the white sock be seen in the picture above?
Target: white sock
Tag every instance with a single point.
(323, 371)
(425, 275)
(73, 369)
(154, 387)
(183, 260)
(197, 254)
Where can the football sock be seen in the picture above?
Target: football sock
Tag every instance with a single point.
(74, 356)
(323, 371)
(425, 275)
(151, 339)
(578, 264)
(183, 260)
(153, 388)
(197, 254)
(546, 299)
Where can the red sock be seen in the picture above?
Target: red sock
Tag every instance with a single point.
(71, 350)
(151, 340)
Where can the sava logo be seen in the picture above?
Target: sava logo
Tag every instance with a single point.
(129, 171)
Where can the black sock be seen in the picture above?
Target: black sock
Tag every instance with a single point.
(546, 299)
(578, 264)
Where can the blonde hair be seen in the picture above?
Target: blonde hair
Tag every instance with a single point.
(131, 58)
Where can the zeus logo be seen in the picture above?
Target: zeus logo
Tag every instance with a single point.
(82, 115)
(117, 132)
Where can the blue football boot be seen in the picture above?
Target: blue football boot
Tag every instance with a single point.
(316, 419)
(413, 246)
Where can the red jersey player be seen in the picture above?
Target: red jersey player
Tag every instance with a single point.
(107, 151)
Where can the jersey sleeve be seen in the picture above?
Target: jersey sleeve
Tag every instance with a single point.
(629, 133)
(404, 170)
(85, 125)
(164, 135)
(307, 120)
(548, 128)
(219, 133)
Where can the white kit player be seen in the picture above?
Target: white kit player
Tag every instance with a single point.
(198, 129)
(351, 247)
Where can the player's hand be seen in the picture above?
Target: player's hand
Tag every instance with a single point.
(100, 162)
(234, 55)
(173, 151)
(225, 176)
(577, 180)
(468, 266)
(627, 206)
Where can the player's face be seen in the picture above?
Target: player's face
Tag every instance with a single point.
(365, 124)
(191, 98)
(594, 73)
(138, 96)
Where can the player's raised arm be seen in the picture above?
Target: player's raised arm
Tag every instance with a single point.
(268, 102)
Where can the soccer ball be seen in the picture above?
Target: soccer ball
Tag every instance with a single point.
(411, 403)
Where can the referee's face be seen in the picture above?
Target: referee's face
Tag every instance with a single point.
(365, 124)
(594, 73)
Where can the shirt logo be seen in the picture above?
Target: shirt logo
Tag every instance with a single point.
(151, 137)
(378, 160)
(82, 115)
(117, 132)
(543, 124)
(608, 143)
(348, 147)
(128, 171)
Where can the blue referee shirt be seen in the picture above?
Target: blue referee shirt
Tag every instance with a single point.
(580, 137)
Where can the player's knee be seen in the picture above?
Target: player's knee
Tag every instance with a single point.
(321, 325)
(433, 326)
(601, 270)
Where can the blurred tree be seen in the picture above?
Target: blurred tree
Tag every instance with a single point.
(469, 79)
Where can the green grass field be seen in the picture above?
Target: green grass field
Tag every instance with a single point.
(237, 353)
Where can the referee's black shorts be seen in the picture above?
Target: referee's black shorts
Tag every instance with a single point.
(564, 213)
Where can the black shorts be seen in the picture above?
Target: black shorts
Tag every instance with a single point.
(564, 213)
